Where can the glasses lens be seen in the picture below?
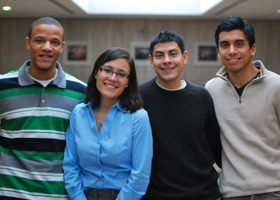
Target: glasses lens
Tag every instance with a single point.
(107, 70)
(121, 75)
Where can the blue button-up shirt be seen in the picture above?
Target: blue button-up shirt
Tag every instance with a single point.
(118, 157)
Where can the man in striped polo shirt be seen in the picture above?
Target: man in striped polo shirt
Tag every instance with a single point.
(35, 105)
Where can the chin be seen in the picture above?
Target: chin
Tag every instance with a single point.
(45, 67)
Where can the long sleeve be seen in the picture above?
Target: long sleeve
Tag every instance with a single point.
(142, 152)
(212, 131)
(72, 171)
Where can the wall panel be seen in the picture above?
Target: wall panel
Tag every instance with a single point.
(103, 34)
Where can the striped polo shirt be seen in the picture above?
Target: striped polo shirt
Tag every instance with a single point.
(33, 122)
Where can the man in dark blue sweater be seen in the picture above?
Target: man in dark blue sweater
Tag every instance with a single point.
(184, 126)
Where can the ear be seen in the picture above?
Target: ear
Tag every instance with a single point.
(151, 61)
(27, 42)
(253, 49)
(63, 45)
(218, 53)
(185, 57)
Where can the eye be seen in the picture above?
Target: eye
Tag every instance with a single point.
(56, 42)
(173, 54)
(239, 44)
(158, 55)
(107, 70)
(121, 74)
(224, 45)
(39, 41)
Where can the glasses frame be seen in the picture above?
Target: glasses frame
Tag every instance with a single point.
(112, 72)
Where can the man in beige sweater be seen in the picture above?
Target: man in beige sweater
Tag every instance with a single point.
(247, 102)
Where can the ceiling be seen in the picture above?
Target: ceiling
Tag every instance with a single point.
(247, 9)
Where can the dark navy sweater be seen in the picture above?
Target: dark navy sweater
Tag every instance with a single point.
(186, 143)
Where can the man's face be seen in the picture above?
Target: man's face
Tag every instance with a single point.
(45, 45)
(234, 51)
(168, 63)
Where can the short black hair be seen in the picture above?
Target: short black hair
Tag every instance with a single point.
(232, 23)
(130, 99)
(167, 36)
(45, 20)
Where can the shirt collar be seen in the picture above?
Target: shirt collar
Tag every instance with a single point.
(25, 80)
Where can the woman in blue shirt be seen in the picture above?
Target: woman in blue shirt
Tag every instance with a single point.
(109, 142)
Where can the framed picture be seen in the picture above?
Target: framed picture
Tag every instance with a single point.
(76, 53)
(206, 54)
(140, 52)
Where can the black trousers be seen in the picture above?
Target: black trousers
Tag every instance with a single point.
(94, 194)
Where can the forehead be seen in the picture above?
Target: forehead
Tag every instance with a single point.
(166, 47)
(47, 30)
(118, 64)
(232, 35)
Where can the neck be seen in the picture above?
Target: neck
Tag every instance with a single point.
(100, 112)
(238, 79)
(107, 103)
(174, 84)
(41, 74)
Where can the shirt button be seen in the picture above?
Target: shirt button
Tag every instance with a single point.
(43, 101)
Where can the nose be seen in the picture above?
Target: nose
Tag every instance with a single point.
(113, 76)
(166, 59)
(232, 50)
(47, 46)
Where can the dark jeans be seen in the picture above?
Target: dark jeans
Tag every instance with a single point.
(94, 194)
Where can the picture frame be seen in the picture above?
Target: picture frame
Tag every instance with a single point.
(140, 52)
(76, 52)
(205, 54)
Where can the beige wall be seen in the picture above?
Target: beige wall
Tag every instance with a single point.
(103, 34)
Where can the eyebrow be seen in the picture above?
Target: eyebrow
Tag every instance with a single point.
(168, 51)
(113, 68)
(238, 40)
(109, 66)
(41, 37)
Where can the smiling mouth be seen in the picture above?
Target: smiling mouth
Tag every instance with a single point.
(46, 56)
(233, 59)
(110, 86)
(167, 69)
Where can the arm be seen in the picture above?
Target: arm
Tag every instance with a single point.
(212, 130)
(142, 144)
(72, 171)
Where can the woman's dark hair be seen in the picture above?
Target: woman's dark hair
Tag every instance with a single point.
(130, 99)
(236, 23)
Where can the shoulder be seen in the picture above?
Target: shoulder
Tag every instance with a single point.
(72, 78)
(9, 80)
(146, 89)
(75, 84)
(269, 76)
(11, 74)
(197, 89)
(198, 94)
(145, 85)
(215, 85)
(212, 82)
(273, 76)
(80, 107)
(140, 114)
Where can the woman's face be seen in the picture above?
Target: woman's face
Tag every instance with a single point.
(111, 84)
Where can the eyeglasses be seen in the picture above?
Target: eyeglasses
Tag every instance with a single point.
(109, 71)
